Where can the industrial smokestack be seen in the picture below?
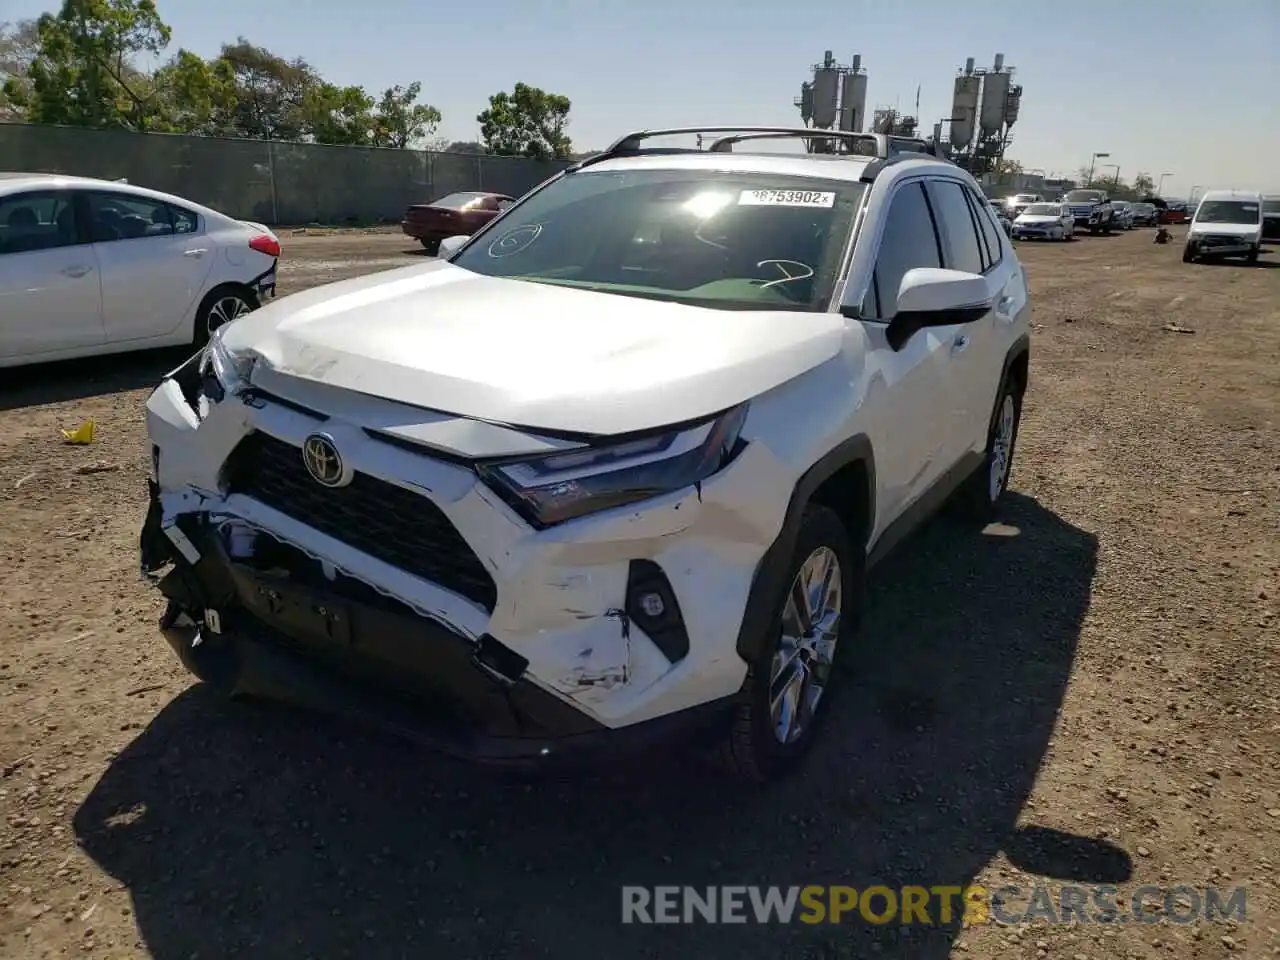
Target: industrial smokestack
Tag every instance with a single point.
(999, 62)
(857, 62)
(968, 66)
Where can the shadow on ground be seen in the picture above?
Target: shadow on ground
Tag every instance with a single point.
(71, 380)
(246, 829)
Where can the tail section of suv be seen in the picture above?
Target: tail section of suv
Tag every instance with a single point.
(610, 474)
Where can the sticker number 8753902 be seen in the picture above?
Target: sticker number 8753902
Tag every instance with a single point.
(786, 198)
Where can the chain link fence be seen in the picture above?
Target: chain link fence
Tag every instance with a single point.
(276, 182)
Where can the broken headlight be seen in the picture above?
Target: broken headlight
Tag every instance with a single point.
(563, 486)
(221, 370)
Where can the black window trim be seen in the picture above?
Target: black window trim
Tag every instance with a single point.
(984, 245)
(979, 204)
(84, 218)
(938, 228)
(919, 184)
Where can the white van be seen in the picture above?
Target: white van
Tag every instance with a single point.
(1227, 223)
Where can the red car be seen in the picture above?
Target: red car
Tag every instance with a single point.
(1175, 213)
(454, 215)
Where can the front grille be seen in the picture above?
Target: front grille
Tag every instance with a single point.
(378, 518)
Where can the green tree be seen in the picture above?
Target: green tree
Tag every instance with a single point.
(19, 47)
(465, 146)
(400, 120)
(333, 114)
(1144, 185)
(527, 122)
(270, 92)
(83, 72)
(196, 95)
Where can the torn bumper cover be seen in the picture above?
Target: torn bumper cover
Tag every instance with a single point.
(276, 625)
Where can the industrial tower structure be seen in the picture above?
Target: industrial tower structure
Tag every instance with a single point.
(985, 105)
(984, 108)
(837, 94)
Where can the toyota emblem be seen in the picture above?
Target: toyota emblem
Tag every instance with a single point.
(322, 460)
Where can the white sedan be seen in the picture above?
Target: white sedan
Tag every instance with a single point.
(1044, 221)
(96, 266)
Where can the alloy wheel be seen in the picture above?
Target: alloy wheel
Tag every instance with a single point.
(1002, 448)
(225, 309)
(801, 667)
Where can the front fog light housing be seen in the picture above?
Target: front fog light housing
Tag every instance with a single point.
(549, 490)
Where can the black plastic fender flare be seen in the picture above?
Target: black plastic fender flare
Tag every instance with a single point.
(769, 585)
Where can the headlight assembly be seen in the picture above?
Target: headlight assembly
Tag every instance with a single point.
(223, 372)
(549, 490)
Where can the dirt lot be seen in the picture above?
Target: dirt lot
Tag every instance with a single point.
(1092, 699)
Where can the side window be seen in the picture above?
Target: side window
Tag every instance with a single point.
(126, 216)
(990, 229)
(909, 241)
(960, 246)
(39, 220)
(184, 221)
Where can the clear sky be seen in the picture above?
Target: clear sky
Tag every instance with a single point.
(1180, 86)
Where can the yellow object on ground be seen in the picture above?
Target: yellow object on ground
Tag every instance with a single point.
(81, 434)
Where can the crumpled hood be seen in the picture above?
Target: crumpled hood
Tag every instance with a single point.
(1225, 229)
(530, 354)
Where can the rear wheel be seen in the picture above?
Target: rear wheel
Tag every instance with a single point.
(432, 247)
(985, 488)
(220, 307)
(789, 685)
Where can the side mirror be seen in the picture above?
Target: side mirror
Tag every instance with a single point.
(931, 297)
(451, 245)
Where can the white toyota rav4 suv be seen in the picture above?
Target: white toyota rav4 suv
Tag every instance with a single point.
(610, 472)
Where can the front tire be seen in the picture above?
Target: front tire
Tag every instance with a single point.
(789, 685)
(1188, 254)
(980, 496)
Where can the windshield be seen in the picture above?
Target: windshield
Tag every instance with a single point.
(1024, 198)
(1120, 204)
(731, 241)
(1043, 210)
(456, 201)
(1143, 207)
(1227, 211)
(1085, 196)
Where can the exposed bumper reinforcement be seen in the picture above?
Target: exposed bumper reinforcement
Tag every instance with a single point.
(284, 633)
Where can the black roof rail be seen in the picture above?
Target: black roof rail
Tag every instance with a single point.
(876, 167)
(629, 145)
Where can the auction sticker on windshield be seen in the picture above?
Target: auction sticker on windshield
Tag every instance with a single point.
(786, 198)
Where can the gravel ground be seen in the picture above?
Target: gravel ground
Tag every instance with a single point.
(1084, 695)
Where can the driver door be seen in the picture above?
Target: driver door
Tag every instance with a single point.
(916, 380)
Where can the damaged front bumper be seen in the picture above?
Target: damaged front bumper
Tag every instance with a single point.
(277, 625)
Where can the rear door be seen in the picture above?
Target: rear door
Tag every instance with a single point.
(972, 242)
(154, 259)
(50, 293)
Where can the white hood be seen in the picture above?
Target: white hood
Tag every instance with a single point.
(1037, 218)
(529, 354)
(1243, 230)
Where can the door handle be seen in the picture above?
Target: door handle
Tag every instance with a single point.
(958, 344)
(197, 252)
(77, 270)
